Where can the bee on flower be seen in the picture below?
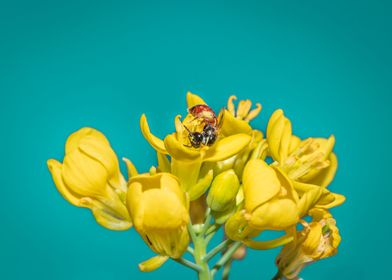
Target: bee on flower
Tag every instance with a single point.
(213, 172)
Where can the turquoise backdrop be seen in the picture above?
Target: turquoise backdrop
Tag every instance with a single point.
(75, 63)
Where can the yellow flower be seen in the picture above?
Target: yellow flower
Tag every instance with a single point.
(270, 203)
(159, 210)
(185, 161)
(308, 161)
(90, 177)
(317, 240)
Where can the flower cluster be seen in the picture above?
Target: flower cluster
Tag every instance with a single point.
(212, 172)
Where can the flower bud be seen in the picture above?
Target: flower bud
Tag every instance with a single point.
(223, 191)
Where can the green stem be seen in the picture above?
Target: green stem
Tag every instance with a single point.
(216, 250)
(226, 257)
(200, 253)
(190, 250)
(188, 264)
(226, 270)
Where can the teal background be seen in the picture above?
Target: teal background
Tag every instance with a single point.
(69, 64)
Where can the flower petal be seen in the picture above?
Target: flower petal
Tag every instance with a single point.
(201, 186)
(275, 129)
(230, 105)
(55, 169)
(153, 263)
(193, 99)
(178, 151)
(105, 216)
(260, 184)
(270, 244)
(326, 175)
(163, 163)
(277, 214)
(132, 171)
(253, 113)
(75, 138)
(154, 141)
(227, 147)
(232, 125)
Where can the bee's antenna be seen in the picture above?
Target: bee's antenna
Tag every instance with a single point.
(187, 129)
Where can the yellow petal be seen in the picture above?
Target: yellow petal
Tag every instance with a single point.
(135, 208)
(277, 214)
(106, 216)
(253, 113)
(193, 99)
(338, 200)
(55, 169)
(163, 163)
(275, 129)
(310, 199)
(153, 263)
(227, 147)
(83, 175)
(285, 140)
(302, 188)
(201, 186)
(326, 175)
(266, 245)
(232, 125)
(230, 105)
(313, 239)
(132, 171)
(163, 210)
(260, 184)
(294, 143)
(187, 172)
(154, 141)
(177, 150)
(243, 108)
(74, 139)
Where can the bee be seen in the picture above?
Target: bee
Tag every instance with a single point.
(210, 130)
(205, 113)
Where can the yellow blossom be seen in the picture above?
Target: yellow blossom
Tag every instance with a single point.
(90, 177)
(159, 210)
(309, 161)
(186, 161)
(317, 240)
(271, 203)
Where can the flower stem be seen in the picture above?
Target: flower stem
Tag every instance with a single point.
(199, 254)
(188, 264)
(217, 249)
(226, 270)
(226, 257)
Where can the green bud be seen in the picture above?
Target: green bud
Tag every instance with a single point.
(223, 191)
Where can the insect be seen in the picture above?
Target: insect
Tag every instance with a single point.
(210, 130)
(205, 113)
(207, 137)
